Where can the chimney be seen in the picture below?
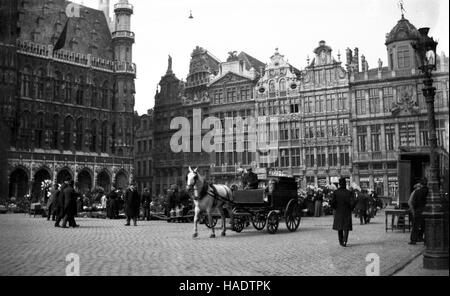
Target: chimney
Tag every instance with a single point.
(363, 64)
(349, 54)
(356, 59)
(103, 5)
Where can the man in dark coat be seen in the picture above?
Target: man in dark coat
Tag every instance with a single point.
(362, 207)
(132, 204)
(111, 203)
(59, 204)
(342, 202)
(146, 200)
(250, 180)
(51, 203)
(419, 200)
(70, 206)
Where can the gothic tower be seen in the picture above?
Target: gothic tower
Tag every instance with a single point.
(123, 106)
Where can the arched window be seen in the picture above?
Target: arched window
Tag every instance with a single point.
(93, 146)
(94, 102)
(80, 91)
(79, 134)
(68, 122)
(105, 95)
(40, 84)
(25, 89)
(39, 131)
(104, 137)
(69, 89)
(282, 85)
(57, 87)
(272, 86)
(113, 138)
(55, 132)
(25, 128)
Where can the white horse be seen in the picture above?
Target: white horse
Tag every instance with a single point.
(208, 197)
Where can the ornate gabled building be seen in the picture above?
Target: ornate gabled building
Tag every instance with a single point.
(71, 109)
(143, 151)
(313, 115)
(232, 94)
(389, 117)
(167, 166)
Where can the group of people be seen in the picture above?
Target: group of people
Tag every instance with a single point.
(62, 205)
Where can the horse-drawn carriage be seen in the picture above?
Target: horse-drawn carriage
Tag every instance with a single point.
(265, 208)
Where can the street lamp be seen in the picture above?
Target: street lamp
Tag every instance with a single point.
(436, 221)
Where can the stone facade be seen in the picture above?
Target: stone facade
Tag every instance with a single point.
(325, 112)
(143, 152)
(71, 110)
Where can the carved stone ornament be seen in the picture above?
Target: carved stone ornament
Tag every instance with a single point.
(405, 101)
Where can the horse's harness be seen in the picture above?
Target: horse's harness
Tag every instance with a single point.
(205, 191)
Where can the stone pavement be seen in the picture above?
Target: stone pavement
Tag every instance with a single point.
(32, 246)
(415, 268)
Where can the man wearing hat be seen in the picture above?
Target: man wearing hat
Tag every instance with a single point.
(250, 180)
(132, 204)
(343, 203)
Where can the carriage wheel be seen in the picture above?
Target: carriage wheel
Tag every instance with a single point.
(272, 222)
(259, 221)
(214, 221)
(238, 225)
(293, 215)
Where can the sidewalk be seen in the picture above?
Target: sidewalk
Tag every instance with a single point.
(415, 268)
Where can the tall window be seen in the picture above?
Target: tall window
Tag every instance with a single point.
(67, 133)
(332, 156)
(94, 101)
(404, 58)
(440, 133)
(284, 131)
(407, 134)
(389, 130)
(105, 95)
(321, 129)
(79, 134)
(93, 144)
(329, 103)
(39, 131)
(332, 128)
(375, 131)
(40, 85)
(282, 86)
(295, 130)
(423, 133)
(80, 92)
(360, 102)
(295, 157)
(295, 106)
(342, 101)
(343, 127)
(231, 95)
(55, 132)
(246, 94)
(104, 137)
(68, 89)
(321, 157)
(374, 101)
(388, 98)
(362, 138)
(309, 157)
(284, 157)
(272, 86)
(309, 129)
(344, 155)
(57, 87)
(26, 82)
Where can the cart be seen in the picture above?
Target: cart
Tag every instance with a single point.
(265, 208)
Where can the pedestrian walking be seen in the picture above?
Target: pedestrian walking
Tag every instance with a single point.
(111, 204)
(362, 207)
(132, 204)
(59, 204)
(342, 202)
(51, 203)
(418, 201)
(318, 200)
(103, 202)
(146, 200)
(70, 206)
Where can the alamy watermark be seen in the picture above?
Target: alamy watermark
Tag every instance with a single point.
(73, 268)
(233, 134)
(373, 269)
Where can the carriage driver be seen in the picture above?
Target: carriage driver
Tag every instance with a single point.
(250, 180)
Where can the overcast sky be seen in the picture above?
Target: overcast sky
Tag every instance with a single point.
(257, 27)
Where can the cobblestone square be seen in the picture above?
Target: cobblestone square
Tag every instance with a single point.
(32, 246)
